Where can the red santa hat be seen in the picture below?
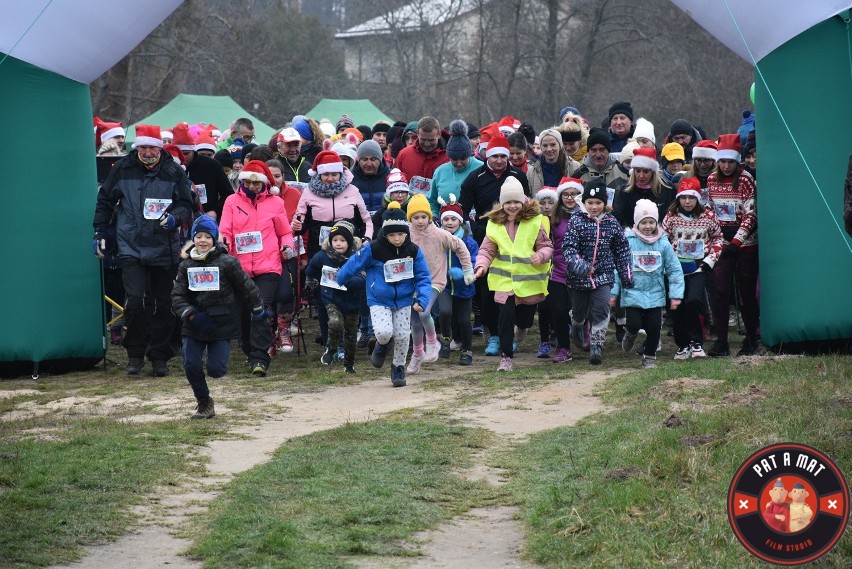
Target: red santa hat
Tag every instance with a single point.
(689, 187)
(704, 149)
(147, 135)
(729, 147)
(396, 182)
(451, 208)
(508, 125)
(498, 144)
(205, 141)
(176, 153)
(164, 134)
(325, 162)
(546, 192)
(257, 171)
(182, 138)
(573, 183)
(106, 130)
(645, 158)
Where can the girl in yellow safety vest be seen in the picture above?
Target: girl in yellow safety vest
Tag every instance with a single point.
(516, 253)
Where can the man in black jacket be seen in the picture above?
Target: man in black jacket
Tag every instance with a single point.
(148, 197)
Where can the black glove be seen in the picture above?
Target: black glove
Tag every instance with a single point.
(202, 321)
(731, 251)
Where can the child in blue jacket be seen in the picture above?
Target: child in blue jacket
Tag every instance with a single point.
(398, 279)
(653, 261)
(456, 300)
(342, 303)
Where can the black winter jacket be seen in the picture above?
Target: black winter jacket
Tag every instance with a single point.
(372, 188)
(209, 173)
(481, 191)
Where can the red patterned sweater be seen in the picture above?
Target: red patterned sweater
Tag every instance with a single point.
(695, 238)
(735, 210)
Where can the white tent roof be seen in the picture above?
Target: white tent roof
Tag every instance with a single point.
(765, 24)
(76, 39)
(411, 17)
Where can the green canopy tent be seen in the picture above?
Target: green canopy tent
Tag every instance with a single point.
(194, 109)
(362, 111)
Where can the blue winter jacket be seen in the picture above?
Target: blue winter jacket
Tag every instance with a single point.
(652, 263)
(456, 286)
(599, 243)
(348, 300)
(390, 295)
(372, 188)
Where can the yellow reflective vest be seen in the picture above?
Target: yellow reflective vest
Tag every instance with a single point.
(511, 269)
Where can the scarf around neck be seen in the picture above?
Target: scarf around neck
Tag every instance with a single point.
(317, 186)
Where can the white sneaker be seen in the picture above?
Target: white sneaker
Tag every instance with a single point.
(432, 351)
(683, 353)
(697, 351)
(414, 364)
(294, 326)
(455, 346)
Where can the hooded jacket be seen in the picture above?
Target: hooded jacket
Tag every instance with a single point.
(653, 264)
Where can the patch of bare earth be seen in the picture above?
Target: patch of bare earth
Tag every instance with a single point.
(489, 537)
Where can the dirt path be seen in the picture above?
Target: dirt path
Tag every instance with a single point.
(486, 537)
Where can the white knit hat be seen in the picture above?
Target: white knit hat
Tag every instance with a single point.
(644, 129)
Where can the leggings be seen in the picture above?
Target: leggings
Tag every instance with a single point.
(651, 319)
(423, 324)
(511, 315)
(560, 310)
(393, 323)
(592, 305)
(454, 314)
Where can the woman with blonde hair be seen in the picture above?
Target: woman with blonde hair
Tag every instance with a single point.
(552, 165)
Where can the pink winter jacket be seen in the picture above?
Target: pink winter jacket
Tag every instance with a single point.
(266, 215)
(434, 243)
(336, 208)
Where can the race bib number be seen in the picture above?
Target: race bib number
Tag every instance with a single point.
(329, 278)
(648, 261)
(200, 191)
(325, 230)
(690, 248)
(725, 210)
(203, 278)
(299, 245)
(420, 185)
(250, 242)
(155, 208)
(610, 195)
(399, 270)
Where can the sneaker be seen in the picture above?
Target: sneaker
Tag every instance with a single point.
(432, 351)
(749, 347)
(371, 344)
(348, 368)
(205, 409)
(628, 341)
(683, 353)
(466, 358)
(295, 326)
(649, 362)
(455, 346)
(115, 335)
(493, 347)
(719, 349)
(620, 332)
(259, 369)
(363, 342)
(543, 350)
(444, 352)
(505, 364)
(595, 355)
(476, 329)
(134, 366)
(397, 376)
(380, 351)
(328, 356)
(415, 363)
(285, 342)
(561, 355)
(577, 335)
(159, 368)
(698, 351)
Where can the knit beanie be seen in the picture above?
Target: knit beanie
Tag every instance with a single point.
(564, 111)
(595, 189)
(381, 127)
(393, 220)
(369, 148)
(751, 142)
(473, 130)
(551, 132)
(345, 229)
(528, 131)
(512, 191)
(599, 136)
(644, 129)
(418, 204)
(458, 147)
(680, 126)
(304, 130)
(673, 151)
(205, 224)
(344, 122)
(366, 131)
(620, 108)
(645, 208)
(224, 158)
(627, 151)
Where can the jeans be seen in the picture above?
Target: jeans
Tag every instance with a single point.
(218, 353)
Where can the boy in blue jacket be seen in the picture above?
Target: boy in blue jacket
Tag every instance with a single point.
(398, 279)
(653, 260)
(341, 302)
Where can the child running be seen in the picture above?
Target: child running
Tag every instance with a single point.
(398, 280)
(341, 303)
(697, 240)
(456, 300)
(204, 296)
(654, 263)
(517, 249)
(546, 198)
(435, 244)
(594, 247)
